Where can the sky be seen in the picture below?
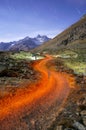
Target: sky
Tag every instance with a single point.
(21, 18)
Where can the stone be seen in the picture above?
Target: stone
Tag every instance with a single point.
(10, 65)
(83, 113)
(82, 103)
(68, 129)
(2, 68)
(79, 126)
(59, 127)
(84, 120)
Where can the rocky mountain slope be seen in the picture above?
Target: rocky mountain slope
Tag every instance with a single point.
(6, 46)
(24, 44)
(70, 38)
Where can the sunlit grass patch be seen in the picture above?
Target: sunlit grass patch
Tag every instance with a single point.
(26, 56)
(78, 67)
(21, 55)
(75, 60)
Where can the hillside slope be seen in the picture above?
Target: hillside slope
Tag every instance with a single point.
(71, 38)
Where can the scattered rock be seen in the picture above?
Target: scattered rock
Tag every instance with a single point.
(84, 120)
(2, 67)
(83, 113)
(59, 128)
(79, 126)
(68, 129)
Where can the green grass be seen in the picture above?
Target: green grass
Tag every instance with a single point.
(75, 60)
(68, 54)
(21, 55)
(78, 67)
(25, 56)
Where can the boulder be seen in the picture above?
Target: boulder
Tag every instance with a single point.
(79, 126)
(84, 120)
(83, 113)
(59, 127)
(2, 67)
(68, 129)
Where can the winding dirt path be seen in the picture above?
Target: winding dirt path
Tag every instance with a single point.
(36, 106)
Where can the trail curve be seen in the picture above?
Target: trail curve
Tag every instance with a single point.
(36, 106)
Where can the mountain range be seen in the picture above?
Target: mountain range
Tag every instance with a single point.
(24, 44)
(71, 38)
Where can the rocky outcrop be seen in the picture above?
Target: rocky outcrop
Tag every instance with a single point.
(73, 116)
(79, 126)
(15, 68)
(74, 33)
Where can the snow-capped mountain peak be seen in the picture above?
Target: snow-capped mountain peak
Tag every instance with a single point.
(26, 38)
(26, 43)
(41, 39)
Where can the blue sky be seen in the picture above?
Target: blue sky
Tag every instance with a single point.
(21, 18)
